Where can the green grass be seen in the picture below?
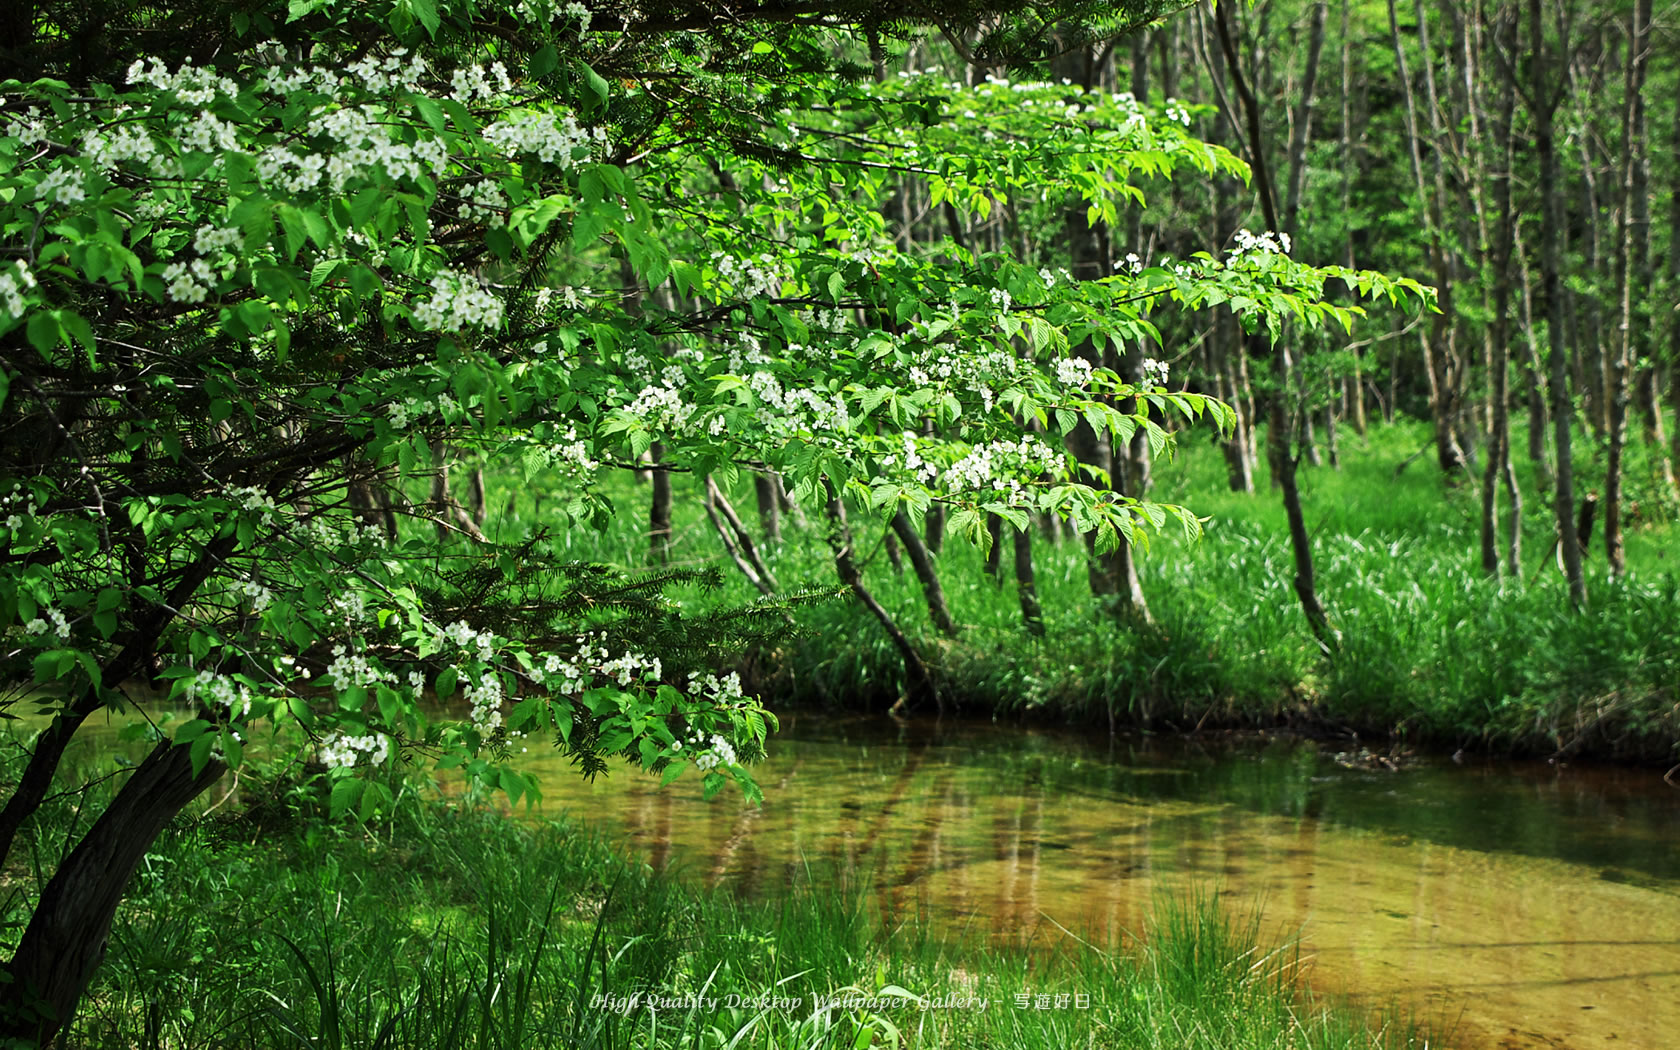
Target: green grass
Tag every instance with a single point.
(1432, 651)
(451, 928)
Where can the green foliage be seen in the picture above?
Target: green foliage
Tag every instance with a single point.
(253, 302)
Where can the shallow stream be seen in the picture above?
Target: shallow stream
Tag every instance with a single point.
(1526, 905)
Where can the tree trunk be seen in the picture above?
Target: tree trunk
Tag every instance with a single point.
(994, 548)
(64, 943)
(920, 685)
(1356, 383)
(1634, 251)
(1674, 285)
(1434, 344)
(1544, 102)
(1538, 385)
(769, 506)
(922, 561)
(1279, 434)
(737, 542)
(1032, 615)
(659, 509)
(1499, 467)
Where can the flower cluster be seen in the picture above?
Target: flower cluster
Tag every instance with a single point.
(222, 691)
(27, 127)
(457, 301)
(1154, 372)
(749, 278)
(365, 144)
(999, 465)
(474, 82)
(410, 408)
(379, 75)
(462, 634)
(188, 282)
(722, 690)
(583, 15)
(924, 471)
(573, 452)
(192, 85)
(976, 368)
(482, 201)
(260, 596)
(126, 142)
(556, 141)
(1073, 371)
(348, 671)
(486, 700)
(342, 752)
(633, 667)
(14, 283)
(62, 186)
(60, 625)
(1249, 243)
(721, 752)
(251, 498)
(212, 239)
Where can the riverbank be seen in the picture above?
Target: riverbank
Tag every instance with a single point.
(448, 927)
(1432, 652)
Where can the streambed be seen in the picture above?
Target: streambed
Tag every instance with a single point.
(1525, 905)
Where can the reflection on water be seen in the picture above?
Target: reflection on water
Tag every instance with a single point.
(1542, 902)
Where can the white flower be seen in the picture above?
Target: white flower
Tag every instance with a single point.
(13, 284)
(457, 301)
(61, 186)
(1073, 371)
(341, 752)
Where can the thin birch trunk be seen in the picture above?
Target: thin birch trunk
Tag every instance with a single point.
(1436, 354)
(1634, 269)
(1543, 102)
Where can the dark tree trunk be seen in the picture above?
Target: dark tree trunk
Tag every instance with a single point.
(659, 509)
(994, 548)
(64, 943)
(1499, 467)
(737, 542)
(769, 509)
(922, 561)
(1032, 615)
(1674, 283)
(1435, 344)
(1634, 251)
(1279, 432)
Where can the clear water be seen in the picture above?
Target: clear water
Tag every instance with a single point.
(1525, 905)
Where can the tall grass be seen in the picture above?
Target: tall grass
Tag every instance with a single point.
(463, 929)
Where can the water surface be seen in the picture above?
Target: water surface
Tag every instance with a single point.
(1533, 905)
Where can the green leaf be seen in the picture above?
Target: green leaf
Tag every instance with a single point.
(345, 793)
